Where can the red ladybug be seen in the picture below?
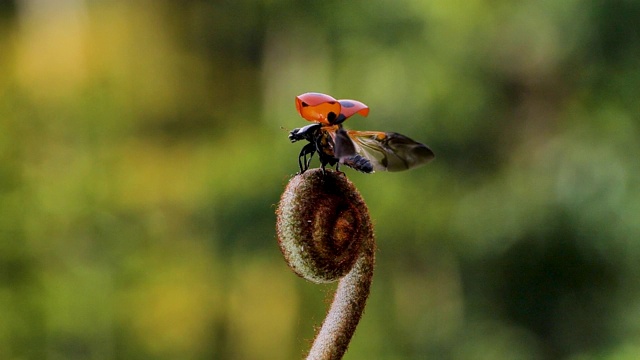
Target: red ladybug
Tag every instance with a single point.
(365, 151)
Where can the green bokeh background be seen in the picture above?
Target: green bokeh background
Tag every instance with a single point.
(143, 149)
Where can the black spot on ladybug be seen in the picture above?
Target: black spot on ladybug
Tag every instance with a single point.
(347, 104)
(331, 117)
(304, 104)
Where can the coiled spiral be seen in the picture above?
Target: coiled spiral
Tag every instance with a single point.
(325, 233)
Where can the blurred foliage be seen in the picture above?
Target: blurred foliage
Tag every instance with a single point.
(142, 152)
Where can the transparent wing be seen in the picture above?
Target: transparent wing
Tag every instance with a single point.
(390, 151)
(343, 144)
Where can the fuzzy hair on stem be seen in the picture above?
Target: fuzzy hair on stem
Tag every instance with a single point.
(325, 234)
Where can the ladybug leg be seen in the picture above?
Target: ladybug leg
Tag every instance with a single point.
(300, 162)
(308, 149)
(308, 162)
(323, 164)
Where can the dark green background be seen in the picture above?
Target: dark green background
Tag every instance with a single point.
(143, 148)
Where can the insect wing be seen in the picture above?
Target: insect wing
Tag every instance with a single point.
(344, 146)
(390, 151)
(315, 98)
(318, 107)
(350, 107)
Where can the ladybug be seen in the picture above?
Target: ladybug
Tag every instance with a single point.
(365, 151)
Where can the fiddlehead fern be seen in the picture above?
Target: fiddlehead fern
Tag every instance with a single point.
(325, 234)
